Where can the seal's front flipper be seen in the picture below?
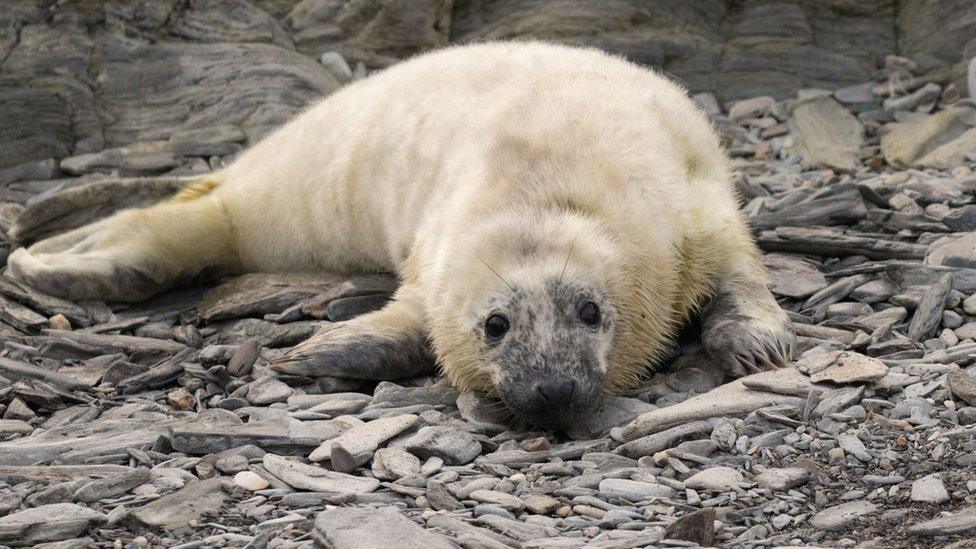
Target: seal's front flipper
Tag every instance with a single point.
(390, 343)
(744, 329)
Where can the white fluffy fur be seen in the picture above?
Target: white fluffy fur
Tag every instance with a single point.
(452, 161)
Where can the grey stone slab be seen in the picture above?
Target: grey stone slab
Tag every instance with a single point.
(370, 528)
(307, 477)
(827, 134)
(15, 370)
(285, 436)
(731, 399)
(175, 511)
(53, 522)
(258, 294)
(956, 523)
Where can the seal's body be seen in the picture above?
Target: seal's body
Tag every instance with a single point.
(554, 215)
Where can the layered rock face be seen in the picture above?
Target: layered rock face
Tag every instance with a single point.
(78, 77)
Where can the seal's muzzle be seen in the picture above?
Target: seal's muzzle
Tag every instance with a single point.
(551, 398)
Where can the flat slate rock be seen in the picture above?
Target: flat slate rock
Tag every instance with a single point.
(850, 367)
(834, 242)
(827, 134)
(841, 516)
(928, 314)
(354, 286)
(370, 528)
(929, 489)
(633, 490)
(783, 479)
(366, 437)
(15, 370)
(258, 294)
(76, 444)
(15, 474)
(522, 531)
(956, 523)
(284, 436)
(23, 318)
(962, 384)
(394, 463)
(265, 333)
(44, 303)
(719, 479)
(940, 141)
(46, 523)
(731, 399)
(391, 394)
(793, 276)
(112, 486)
(662, 440)
(14, 427)
(175, 511)
(453, 445)
(839, 204)
(108, 343)
(697, 526)
(307, 477)
(953, 251)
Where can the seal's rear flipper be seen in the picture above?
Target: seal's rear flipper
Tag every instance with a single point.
(387, 344)
(133, 254)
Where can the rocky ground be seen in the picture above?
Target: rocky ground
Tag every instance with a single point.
(161, 424)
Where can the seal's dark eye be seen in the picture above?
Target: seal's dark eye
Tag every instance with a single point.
(496, 326)
(589, 313)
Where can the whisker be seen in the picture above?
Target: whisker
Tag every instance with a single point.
(566, 263)
(499, 409)
(499, 292)
(500, 277)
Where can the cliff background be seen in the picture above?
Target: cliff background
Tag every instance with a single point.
(81, 76)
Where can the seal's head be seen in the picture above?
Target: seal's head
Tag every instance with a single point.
(528, 311)
(546, 342)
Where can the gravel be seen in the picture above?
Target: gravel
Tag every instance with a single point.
(161, 424)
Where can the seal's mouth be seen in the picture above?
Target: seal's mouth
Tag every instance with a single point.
(552, 402)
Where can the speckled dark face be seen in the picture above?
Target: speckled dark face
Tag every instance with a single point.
(549, 347)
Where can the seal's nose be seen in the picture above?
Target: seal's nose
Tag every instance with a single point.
(555, 394)
(551, 401)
